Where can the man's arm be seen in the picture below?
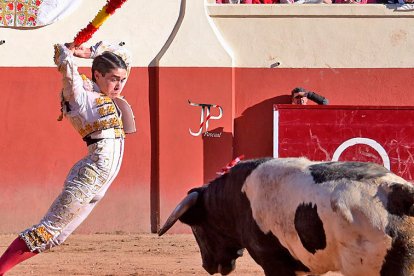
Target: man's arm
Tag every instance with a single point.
(317, 98)
(73, 89)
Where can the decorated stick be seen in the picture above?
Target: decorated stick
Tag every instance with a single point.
(86, 33)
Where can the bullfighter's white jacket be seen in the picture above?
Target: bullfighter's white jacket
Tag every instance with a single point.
(90, 112)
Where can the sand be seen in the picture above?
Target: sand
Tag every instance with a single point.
(123, 254)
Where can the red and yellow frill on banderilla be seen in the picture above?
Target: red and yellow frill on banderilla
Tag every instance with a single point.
(86, 33)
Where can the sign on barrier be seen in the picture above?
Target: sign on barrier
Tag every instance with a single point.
(379, 134)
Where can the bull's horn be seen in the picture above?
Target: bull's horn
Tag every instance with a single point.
(181, 208)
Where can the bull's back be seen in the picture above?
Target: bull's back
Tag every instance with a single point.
(328, 215)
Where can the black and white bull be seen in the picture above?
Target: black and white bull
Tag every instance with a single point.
(297, 217)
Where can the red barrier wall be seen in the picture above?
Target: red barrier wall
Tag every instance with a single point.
(37, 152)
(258, 89)
(186, 161)
(163, 160)
(379, 134)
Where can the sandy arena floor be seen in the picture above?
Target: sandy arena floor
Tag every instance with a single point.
(123, 254)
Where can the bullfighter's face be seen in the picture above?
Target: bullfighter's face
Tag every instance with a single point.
(111, 83)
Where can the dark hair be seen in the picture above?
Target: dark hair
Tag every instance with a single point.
(106, 62)
(297, 90)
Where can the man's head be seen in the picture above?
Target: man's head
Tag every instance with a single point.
(299, 96)
(110, 73)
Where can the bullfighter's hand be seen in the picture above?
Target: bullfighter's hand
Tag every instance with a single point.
(79, 51)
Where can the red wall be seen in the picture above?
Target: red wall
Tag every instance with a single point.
(37, 152)
(258, 89)
(162, 161)
(186, 161)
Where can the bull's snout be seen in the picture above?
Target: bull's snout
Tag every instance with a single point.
(222, 269)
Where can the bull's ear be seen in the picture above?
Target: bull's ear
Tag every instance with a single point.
(181, 208)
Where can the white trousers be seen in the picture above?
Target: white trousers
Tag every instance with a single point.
(85, 185)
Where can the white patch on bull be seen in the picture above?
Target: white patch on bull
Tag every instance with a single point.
(360, 203)
(354, 220)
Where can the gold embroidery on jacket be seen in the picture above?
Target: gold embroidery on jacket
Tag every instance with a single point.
(108, 119)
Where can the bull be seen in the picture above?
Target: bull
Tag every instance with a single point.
(298, 217)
